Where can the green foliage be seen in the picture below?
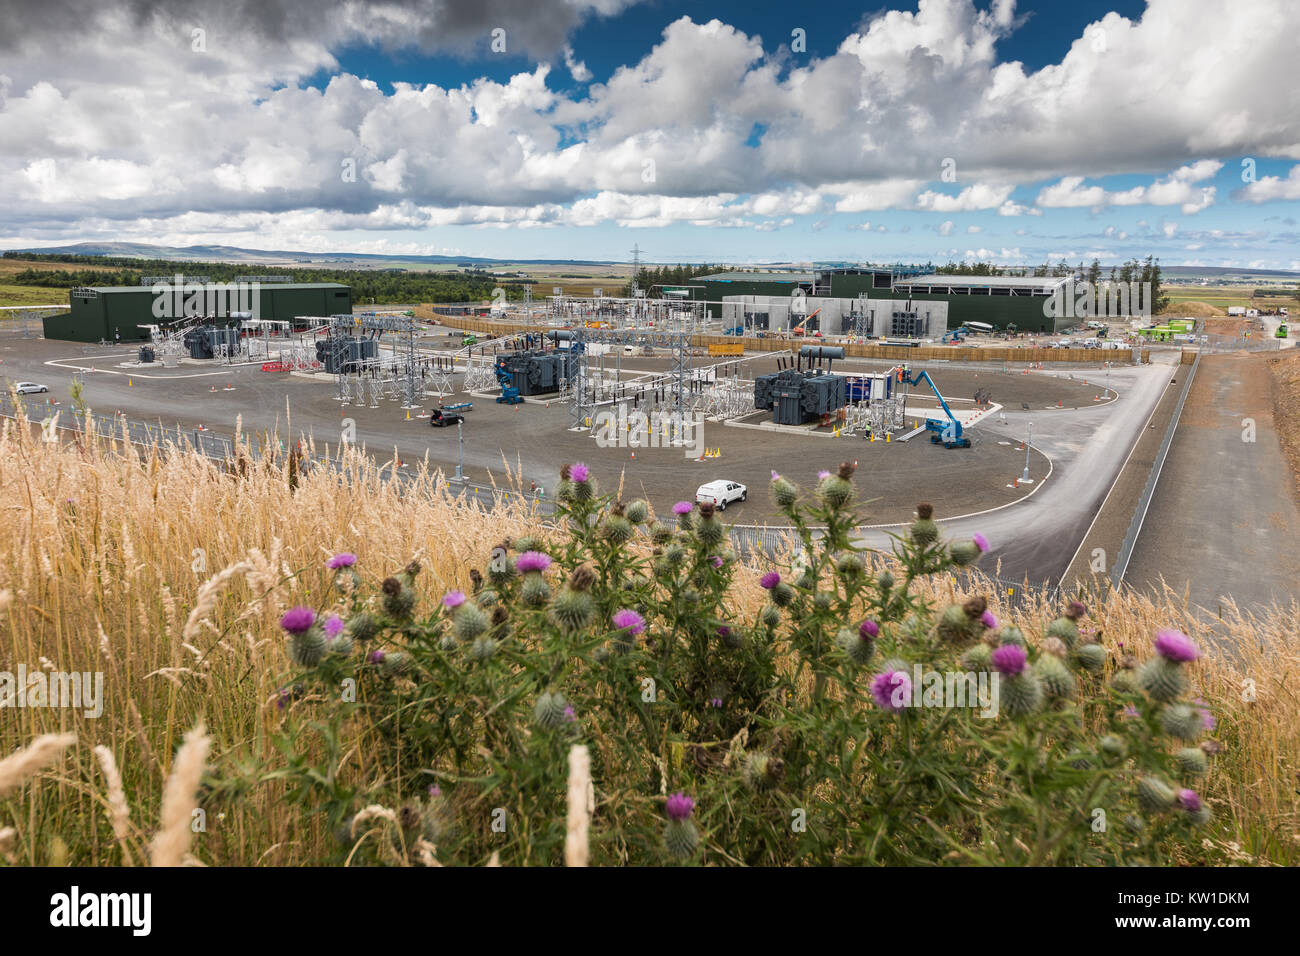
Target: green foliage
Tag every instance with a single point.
(777, 721)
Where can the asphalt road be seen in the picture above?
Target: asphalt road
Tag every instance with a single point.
(1223, 522)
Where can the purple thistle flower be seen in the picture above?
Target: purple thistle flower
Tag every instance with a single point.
(891, 686)
(717, 560)
(823, 475)
(770, 580)
(1009, 659)
(579, 472)
(344, 559)
(716, 702)
(569, 714)
(298, 620)
(1175, 646)
(453, 599)
(989, 620)
(1189, 800)
(1131, 711)
(683, 508)
(723, 630)
(775, 476)
(981, 542)
(626, 620)
(1207, 718)
(435, 790)
(282, 698)
(333, 626)
(680, 806)
(376, 657)
(868, 630)
(532, 561)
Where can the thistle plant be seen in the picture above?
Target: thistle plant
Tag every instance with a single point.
(627, 634)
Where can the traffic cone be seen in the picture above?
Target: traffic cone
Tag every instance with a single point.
(1015, 482)
(129, 383)
(212, 388)
(1058, 403)
(408, 414)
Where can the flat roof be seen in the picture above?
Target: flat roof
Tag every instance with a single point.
(757, 277)
(985, 282)
(208, 285)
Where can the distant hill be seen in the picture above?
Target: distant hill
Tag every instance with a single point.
(141, 250)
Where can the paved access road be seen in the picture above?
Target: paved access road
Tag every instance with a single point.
(1224, 520)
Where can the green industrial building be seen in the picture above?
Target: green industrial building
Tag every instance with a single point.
(124, 313)
(1016, 302)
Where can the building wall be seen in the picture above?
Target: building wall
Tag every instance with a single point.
(715, 290)
(1026, 311)
(116, 315)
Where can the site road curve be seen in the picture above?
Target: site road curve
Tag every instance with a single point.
(1036, 538)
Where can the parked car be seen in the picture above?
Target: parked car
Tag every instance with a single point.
(29, 388)
(721, 493)
(440, 419)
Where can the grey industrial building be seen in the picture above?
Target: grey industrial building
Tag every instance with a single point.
(927, 302)
(123, 313)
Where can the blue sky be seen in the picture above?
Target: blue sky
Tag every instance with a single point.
(1012, 132)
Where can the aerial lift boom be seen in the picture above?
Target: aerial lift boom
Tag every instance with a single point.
(948, 431)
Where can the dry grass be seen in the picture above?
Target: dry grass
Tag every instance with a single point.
(110, 561)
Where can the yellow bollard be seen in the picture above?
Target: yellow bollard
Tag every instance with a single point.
(129, 383)
(408, 414)
(888, 435)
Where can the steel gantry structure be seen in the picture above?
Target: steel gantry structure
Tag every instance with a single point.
(348, 325)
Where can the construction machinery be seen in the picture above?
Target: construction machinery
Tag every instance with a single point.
(506, 379)
(799, 329)
(947, 430)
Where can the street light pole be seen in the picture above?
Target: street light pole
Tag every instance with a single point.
(1029, 443)
(460, 462)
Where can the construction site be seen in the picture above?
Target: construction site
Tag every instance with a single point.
(657, 390)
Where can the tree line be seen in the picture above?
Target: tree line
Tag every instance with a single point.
(383, 286)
